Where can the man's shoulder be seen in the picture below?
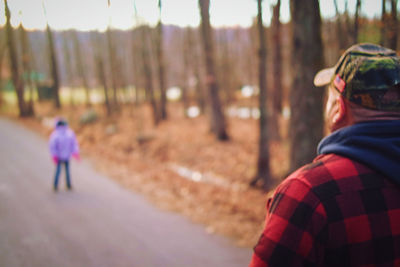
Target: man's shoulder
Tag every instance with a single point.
(331, 174)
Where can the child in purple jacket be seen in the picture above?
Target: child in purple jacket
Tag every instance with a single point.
(63, 145)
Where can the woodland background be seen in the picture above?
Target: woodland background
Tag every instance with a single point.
(197, 118)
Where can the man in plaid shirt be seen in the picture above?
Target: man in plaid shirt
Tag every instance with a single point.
(343, 209)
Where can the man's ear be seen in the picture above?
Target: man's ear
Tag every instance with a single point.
(339, 116)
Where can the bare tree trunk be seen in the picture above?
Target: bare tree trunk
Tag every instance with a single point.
(146, 46)
(277, 89)
(13, 59)
(101, 73)
(348, 31)
(3, 47)
(199, 88)
(341, 36)
(356, 21)
(79, 66)
(263, 167)
(102, 77)
(137, 78)
(27, 68)
(393, 26)
(185, 71)
(250, 66)
(114, 67)
(195, 59)
(218, 124)
(137, 47)
(383, 24)
(161, 69)
(53, 67)
(306, 101)
(224, 68)
(68, 65)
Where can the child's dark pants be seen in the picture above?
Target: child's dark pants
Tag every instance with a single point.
(58, 170)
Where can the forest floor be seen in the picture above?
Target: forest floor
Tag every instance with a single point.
(178, 165)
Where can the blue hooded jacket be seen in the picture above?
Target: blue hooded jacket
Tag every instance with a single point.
(375, 144)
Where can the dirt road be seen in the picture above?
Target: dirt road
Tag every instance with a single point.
(99, 223)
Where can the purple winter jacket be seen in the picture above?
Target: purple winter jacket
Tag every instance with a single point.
(63, 143)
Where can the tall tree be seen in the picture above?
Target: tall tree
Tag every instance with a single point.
(69, 77)
(389, 24)
(13, 59)
(218, 124)
(195, 60)
(114, 64)
(356, 21)
(224, 70)
(100, 70)
(53, 66)
(306, 121)
(340, 31)
(161, 68)
(348, 28)
(185, 70)
(277, 88)
(27, 66)
(80, 67)
(148, 73)
(393, 26)
(144, 49)
(383, 24)
(2, 53)
(113, 67)
(137, 78)
(263, 166)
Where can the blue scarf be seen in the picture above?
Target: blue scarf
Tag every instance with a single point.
(375, 144)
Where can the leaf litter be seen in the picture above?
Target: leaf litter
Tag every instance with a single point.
(178, 165)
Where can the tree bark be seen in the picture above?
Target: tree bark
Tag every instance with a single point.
(100, 70)
(277, 89)
(13, 59)
(356, 21)
(195, 59)
(114, 68)
(306, 120)
(80, 67)
(27, 68)
(161, 68)
(102, 77)
(348, 31)
(3, 47)
(199, 88)
(185, 71)
(340, 32)
(225, 68)
(393, 26)
(146, 46)
(263, 165)
(69, 77)
(53, 67)
(218, 124)
(383, 24)
(136, 55)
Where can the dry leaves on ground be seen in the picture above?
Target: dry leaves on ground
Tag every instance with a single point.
(179, 165)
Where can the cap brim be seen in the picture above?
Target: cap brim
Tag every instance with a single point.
(324, 77)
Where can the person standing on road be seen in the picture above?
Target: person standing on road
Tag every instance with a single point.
(63, 145)
(343, 209)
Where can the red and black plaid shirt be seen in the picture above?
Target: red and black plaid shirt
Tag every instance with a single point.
(333, 212)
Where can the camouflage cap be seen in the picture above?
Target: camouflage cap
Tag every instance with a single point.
(367, 75)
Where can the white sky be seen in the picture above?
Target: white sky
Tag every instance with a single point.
(95, 14)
